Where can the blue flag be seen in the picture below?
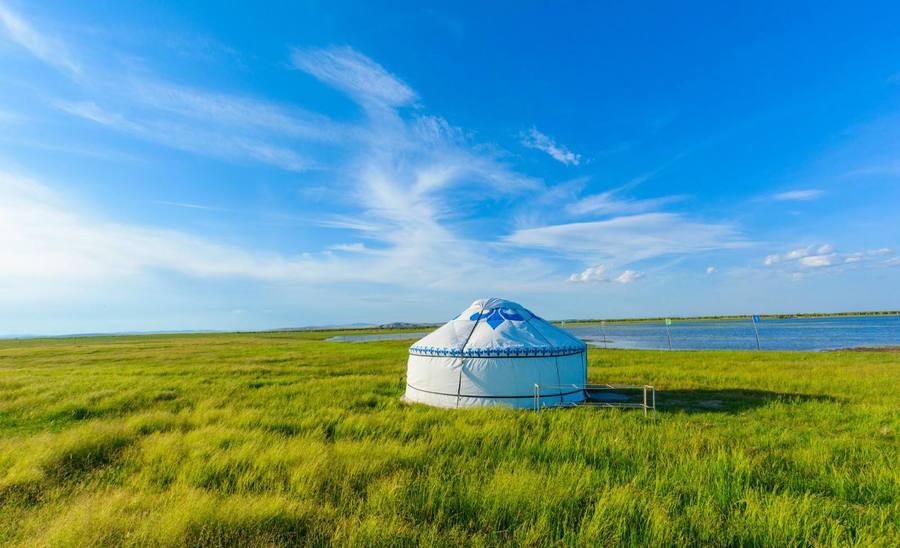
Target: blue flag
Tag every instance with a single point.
(755, 318)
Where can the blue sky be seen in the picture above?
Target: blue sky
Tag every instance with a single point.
(210, 167)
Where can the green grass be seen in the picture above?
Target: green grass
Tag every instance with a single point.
(278, 438)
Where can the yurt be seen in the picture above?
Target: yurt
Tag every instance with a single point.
(494, 353)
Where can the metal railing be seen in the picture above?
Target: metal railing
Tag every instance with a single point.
(622, 400)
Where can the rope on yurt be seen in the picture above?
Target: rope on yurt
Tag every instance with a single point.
(462, 358)
(555, 358)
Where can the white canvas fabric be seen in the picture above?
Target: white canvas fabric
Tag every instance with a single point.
(493, 354)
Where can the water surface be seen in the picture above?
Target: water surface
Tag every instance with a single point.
(786, 334)
(376, 337)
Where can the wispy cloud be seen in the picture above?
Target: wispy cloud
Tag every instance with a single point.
(43, 238)
(46, 48)
(798, 195)
(222, 125)
(191, 206)
(539, 141)
(607, 203)
(622, 240)
(229, 110)
(227, 145)
(402, 172)
(357, 247)
(47, 245)
(887, 169)
(355, 74)
(409, 179)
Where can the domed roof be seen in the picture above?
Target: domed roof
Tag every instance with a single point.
(497, 328)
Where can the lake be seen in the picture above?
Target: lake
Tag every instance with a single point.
(786, 334)
(377, 337)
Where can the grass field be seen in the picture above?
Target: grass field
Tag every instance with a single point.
(271, 439)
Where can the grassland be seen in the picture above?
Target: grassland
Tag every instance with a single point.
(271, 439)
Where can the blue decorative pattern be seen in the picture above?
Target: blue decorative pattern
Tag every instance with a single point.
(497, 316)
(511, 352)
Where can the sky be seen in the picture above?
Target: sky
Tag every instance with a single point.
(209, 166)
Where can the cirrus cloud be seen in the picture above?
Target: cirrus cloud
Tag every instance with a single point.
(798, 195)
(539, 141)
(627, 239)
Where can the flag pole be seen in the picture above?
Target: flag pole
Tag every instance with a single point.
(668, 333)
(755, 319)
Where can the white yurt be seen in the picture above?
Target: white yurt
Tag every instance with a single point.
(494, 353)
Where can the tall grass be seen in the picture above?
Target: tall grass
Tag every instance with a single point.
(280, 439)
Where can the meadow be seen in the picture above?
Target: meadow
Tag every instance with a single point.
(273, 439)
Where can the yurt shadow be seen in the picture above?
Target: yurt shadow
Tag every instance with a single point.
(730, 400)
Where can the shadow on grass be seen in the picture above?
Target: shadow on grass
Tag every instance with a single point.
(728, 400)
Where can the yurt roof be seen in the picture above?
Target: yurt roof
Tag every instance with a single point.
(497, 328)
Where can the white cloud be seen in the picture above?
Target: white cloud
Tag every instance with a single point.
(42, 46)
(42, 237)
(711, 270)
(598, 274)
(801, 253)
(221, 125)
(797, 253)
(401, 174)
(408, 177)
(623, 240)
(876, 170)
(629, 276)
(357, 247)
(184, 205)
(537, 140)
(606, 203)
(228, 110)
(799, 195)
(823, 256)
(227, 145)
(590, 274)
(809, 256)
(817, 261)
(49, 244)
(355, 74)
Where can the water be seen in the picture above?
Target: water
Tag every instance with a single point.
(378, 337)
(787, 334)
(790, 334)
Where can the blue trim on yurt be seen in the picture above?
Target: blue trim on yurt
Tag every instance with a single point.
(512, 352)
